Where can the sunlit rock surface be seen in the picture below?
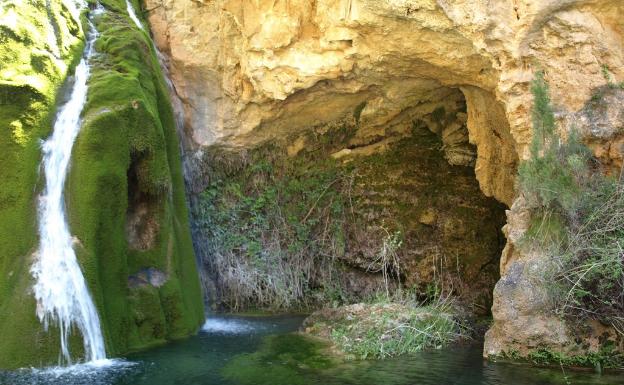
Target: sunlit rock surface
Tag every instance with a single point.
(250, 71)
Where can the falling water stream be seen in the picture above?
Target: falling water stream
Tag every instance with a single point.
(60, 288)
(133, 15)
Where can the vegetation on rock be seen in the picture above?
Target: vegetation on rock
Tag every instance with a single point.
(578, 221)
(389, 327)
(606, 358)
(290, 231)
(126, 198)
(124, 194)
(35, 58)
(274, 233)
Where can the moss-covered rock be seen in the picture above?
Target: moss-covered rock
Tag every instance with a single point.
(124, 193)
(39, 44)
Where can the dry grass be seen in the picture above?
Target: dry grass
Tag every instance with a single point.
(385, 329)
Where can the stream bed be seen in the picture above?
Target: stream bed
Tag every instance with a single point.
(261, 351)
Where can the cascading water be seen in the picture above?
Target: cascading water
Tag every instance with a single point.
(60, 289)
(132, 14)
(176, 102)
(188, 156)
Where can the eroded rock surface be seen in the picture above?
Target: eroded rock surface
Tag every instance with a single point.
(251, 71)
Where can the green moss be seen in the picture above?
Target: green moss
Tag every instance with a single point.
(30, 80)
(148, 316)
(608, 357)
(126, 165)
(126, 154)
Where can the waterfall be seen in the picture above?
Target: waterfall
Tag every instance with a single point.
(132, 14)
(176, 102)
(188, 157)
(60, 288)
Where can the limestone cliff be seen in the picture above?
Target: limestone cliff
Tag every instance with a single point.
(252, 71)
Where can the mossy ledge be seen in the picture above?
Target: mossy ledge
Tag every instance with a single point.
(124, 193)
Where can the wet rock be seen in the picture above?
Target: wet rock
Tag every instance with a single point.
(148, 276)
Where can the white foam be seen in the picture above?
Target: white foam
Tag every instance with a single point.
(60, 289)
(226, 326)
(133, 15)
(84, 369)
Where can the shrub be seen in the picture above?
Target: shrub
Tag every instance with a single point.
(386, 329)
(387, 260)
(606, 74)
(578, 219)
(274, 234)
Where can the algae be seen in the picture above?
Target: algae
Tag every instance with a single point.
(281, 359)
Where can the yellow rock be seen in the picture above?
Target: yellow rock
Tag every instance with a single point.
(249, 71)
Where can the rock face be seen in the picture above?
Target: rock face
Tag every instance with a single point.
(252, 71)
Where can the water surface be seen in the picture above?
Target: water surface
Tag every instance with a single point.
(259, 351)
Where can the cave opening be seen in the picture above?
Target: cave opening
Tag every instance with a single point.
(416, 175)
(332, 199)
